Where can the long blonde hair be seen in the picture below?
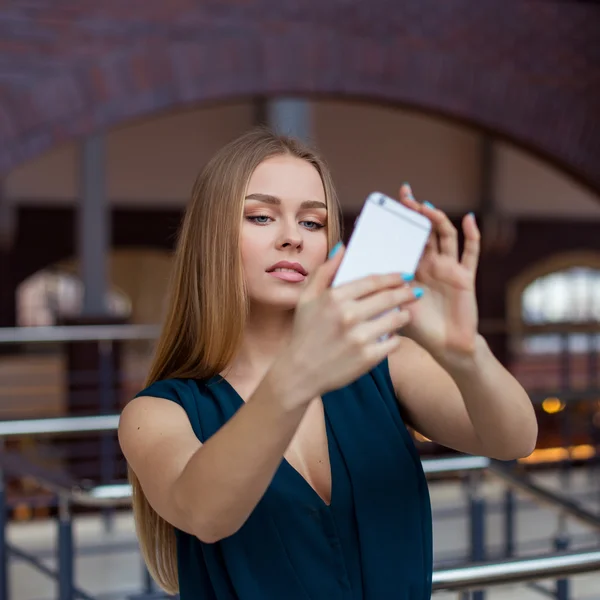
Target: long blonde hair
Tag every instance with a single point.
(207, 307)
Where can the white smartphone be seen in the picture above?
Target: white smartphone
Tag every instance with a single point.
(387, 238)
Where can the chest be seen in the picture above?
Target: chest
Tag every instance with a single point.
(308, 451)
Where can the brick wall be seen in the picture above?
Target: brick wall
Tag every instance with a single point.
(528, 70)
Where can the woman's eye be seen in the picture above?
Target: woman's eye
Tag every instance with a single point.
(312, 225)
(265, 220)
(259, 219)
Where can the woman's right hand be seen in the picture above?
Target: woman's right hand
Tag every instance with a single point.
(337, 334)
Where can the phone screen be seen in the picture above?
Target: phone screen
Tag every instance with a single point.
(387, 238)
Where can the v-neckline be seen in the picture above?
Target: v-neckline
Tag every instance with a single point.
(285, 462)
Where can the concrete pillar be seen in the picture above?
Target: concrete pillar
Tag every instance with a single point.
(100, 390)
(493, 225)
(8, 220)
(8, 224)
(93, 227)
(287, 116)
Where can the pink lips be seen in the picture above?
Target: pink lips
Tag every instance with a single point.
(292, 272)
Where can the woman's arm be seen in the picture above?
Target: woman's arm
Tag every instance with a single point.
(473, 405)
(210, 489)
(451, 386)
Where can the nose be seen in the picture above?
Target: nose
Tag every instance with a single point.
(290, 237)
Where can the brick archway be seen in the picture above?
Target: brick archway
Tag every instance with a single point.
(527, 70)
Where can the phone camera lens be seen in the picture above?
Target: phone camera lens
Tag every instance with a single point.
(381, 200)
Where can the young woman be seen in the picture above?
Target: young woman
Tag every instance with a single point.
(269, 455)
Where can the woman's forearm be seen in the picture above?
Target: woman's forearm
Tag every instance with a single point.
(499, 408)
(226, 478)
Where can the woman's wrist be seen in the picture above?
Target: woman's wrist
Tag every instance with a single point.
(465, 364)
(289, 383)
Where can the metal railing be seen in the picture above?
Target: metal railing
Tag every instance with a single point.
(130, 374)
(545, 496)
(561, 369)
(90, 424)
(515, 571)
(71, 493)
(77, 333)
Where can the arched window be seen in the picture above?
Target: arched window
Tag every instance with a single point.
(569, 296)
(48, 295)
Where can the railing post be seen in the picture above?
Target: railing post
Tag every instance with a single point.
(477, 524)
(106, 382)
(4, 553)
(148, 583)
(565, 422)
(509, 522)
(65, 550)
(561, 543)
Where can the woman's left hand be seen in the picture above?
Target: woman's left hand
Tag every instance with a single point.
(445, 319)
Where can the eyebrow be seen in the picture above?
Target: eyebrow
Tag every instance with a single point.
(268, 199)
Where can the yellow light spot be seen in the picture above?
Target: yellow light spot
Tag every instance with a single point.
(550, 455)
(552, 405)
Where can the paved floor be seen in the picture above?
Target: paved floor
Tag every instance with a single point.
(115, 574)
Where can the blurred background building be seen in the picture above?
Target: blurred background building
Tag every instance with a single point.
(107, 113)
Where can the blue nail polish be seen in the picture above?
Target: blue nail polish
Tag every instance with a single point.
(472, 214)
(418, 292)
(335, 249)
(407, 277)
(429, 205)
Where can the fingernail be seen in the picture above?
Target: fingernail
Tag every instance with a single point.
(335, 249)
(407, 277)
(429, 205)
(472, 215)
(418, 292)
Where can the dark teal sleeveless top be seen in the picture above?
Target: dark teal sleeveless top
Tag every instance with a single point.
(373, 542)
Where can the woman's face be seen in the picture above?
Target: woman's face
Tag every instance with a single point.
(284, 230)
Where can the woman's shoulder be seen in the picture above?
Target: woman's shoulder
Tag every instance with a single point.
(176, 389)
(207, 405)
